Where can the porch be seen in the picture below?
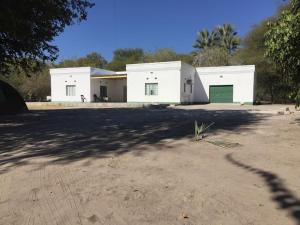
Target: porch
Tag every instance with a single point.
(109, 88)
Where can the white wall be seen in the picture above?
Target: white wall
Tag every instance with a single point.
(115, 90)
(95, 88)
(241, 77)
(166, 74)
(80, 77)
(187, 73)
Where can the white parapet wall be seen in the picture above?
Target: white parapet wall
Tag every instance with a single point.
(166, 75)
(78, 77)
(241, 77)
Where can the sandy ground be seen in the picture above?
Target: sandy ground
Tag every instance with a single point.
(141, 166)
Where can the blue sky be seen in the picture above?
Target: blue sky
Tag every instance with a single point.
(152, 24)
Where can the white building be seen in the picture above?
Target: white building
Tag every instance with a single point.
(163, 82)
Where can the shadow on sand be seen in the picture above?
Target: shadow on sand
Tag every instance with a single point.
(67, 135)
(285, 199)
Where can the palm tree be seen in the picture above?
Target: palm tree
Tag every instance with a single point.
(227, 37)
(205, 39)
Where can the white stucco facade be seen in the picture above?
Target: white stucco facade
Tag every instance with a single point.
(241, 77)
(87, 82)
(162, 82)
(167, 75)
(79, 77)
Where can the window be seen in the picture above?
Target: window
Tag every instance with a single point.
(151, 89)
(184, 87)
(191, 88)
(70, 90)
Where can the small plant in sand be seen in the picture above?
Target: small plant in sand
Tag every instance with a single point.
(200, 130)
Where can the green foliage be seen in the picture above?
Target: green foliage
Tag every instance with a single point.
(27, 29)
(268, 80)
(92, 60)
(166, 54)
(216, 48)
(283, 45)
(161, 55)
(222, 36)
(34, 87)
(37, 86)
(126, 56)
(200, 130)
(206, 39)
(187, 58)
(213, 56)
(226, 37)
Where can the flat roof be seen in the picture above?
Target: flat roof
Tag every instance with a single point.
(154, 66)
(226, 68)
(171, 65)
(91, 70)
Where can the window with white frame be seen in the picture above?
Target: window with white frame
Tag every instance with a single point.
(70, 90)
(151, 88)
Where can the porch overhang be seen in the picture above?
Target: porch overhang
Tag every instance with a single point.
(109, 77)
(117, 75)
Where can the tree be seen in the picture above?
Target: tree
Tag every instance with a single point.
(187, 58)
(37, 86)
(269, 86)
(27, 28)
(92, 59)
(161, 55)
(205, 39)
(222, 36)
(32, 88)
(216, 47)
(213, 56)
(227, 38)
(167, 54)
(283, 46)
(126, 56)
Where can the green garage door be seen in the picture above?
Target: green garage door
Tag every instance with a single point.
(221, 93)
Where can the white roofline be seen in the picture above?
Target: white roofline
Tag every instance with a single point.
(121, 72)
(90, 70)
(226, 68)
(154, 63)
(172, 65)
(70, 70)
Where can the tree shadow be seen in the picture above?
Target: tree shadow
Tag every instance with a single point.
(68, 135)
(285, 199)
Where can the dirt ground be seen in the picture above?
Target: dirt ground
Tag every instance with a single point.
(141, 166)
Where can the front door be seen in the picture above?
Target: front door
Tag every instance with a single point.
(103, 93)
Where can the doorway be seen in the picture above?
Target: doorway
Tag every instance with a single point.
(103, 93)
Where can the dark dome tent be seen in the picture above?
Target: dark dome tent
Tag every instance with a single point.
(10, 100)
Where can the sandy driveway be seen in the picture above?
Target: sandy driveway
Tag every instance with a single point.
(141, 166)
